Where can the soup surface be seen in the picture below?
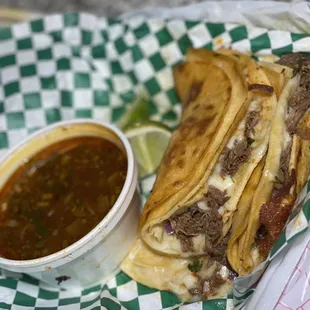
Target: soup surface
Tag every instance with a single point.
(58, 196)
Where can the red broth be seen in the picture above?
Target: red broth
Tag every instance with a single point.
(58, 196)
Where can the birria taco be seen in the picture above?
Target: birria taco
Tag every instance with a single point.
(262, 215)
(235, 154)
(198, 222)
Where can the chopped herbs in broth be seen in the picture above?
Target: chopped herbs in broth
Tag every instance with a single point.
(59, 196)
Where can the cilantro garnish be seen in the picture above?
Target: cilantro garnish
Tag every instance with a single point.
(195, 266)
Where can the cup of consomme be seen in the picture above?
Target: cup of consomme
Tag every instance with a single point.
(69, 207)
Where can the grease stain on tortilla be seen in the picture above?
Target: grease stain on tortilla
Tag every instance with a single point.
(196, 150)
(194, 92)
(178, 184)
(209, 108)
(181, 163)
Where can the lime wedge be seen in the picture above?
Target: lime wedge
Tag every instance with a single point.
(149, 141)
(139, 111)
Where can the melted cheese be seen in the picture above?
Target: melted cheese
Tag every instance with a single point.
(226, 183)
(171, 244)
(203, 205)
(287, 93)
(224, 272)
(279, 130)
(218, 181)
(170, 273)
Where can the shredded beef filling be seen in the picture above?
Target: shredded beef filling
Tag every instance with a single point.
(299, 102)
(233, 158)
(216, 280)
(193, 221)
(293, 61)
(196, 291)
(216, 198)
(217, 251)
(208, 287)
(283, 176)
(251, 121)
(189, 223)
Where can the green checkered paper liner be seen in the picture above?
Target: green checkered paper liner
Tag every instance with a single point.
(70, 66)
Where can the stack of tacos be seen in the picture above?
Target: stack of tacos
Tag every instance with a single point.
(230, 175)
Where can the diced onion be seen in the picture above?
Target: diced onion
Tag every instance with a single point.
(168, 228)
(206, 287)
(224, 272)
(190, 281)
(202, 205)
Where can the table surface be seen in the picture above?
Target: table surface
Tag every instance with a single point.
(110, 8)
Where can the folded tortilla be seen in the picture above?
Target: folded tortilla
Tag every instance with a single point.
(279, 77)
(210, 279)
(212, 196)
(285, 171)
(210, 90)
(223, 173)
(303, 161)
(198, 141)
(240, 220)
